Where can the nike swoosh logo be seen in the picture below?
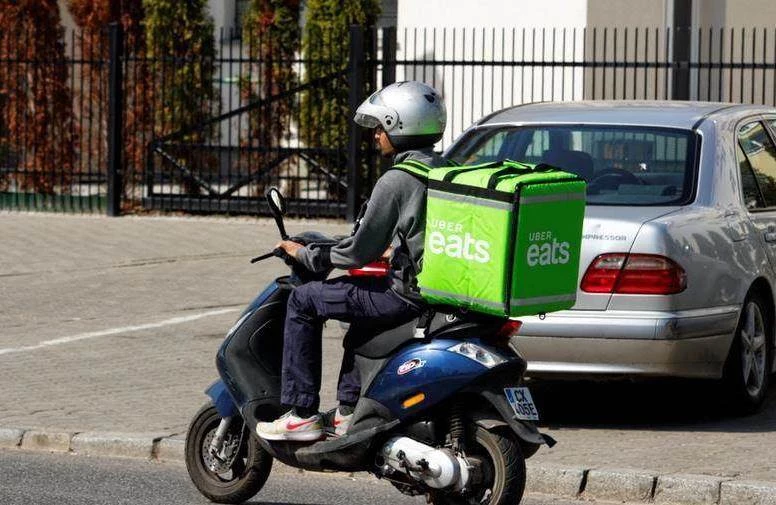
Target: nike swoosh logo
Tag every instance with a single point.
(293, 426)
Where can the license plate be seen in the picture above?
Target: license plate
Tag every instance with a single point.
(522, 403)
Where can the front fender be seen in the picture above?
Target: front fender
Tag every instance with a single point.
(221, 399)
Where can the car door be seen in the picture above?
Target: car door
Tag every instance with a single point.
(756, 154)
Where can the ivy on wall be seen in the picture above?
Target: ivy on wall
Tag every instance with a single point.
(92, 18)
(36, 107)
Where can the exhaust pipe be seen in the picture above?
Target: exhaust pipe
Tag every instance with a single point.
(437, 468)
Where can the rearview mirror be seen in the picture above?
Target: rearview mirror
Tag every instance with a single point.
(277, 203)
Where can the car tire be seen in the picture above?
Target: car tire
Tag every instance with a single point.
(747, 369)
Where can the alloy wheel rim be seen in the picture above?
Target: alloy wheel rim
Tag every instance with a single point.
(753, 350)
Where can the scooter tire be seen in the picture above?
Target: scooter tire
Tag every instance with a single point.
(249, 471)
(507, 469)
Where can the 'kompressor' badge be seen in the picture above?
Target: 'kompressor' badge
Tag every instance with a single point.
(410, 365)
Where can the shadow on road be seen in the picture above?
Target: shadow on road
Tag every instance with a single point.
(651, 404)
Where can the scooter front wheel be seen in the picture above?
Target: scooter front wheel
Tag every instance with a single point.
(234, 475)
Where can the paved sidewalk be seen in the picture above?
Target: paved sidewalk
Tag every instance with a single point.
(109, 327)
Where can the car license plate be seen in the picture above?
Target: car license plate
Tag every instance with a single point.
(522, 403)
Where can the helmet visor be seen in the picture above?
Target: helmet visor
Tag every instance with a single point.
(366, 120)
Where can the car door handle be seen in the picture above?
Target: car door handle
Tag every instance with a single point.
(770, 236)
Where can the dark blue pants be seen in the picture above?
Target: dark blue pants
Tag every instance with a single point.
(367, 303)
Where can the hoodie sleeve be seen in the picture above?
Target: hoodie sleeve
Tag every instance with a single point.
(372, 237)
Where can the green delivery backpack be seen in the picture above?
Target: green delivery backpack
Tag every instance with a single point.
(501, 238)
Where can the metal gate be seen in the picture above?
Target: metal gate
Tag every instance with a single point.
(224, 163)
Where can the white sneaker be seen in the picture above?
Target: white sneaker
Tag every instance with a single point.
(341, 423)
(291, 427)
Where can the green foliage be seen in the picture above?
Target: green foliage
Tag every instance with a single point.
(325, 113)
(271, 31)
(271, 28)
(181, 33)
(181, 49)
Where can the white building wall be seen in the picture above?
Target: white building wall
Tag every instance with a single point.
(492, 13)
(488, 30)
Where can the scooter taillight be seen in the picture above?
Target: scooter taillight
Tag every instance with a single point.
(376, 269)
(509, 328)
(504, 334)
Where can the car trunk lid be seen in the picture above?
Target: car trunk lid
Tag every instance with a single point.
(609, 229)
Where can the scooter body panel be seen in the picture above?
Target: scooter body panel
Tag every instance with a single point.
(250, 358)
(426, 367)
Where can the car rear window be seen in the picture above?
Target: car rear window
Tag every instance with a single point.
(622, 165)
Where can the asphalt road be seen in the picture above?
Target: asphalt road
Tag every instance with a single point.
(45, 479)
(111, 325)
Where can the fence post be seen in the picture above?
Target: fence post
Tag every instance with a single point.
(388, 74)
(115, 119)
(389, 55)
(682, 47)
(356, 64)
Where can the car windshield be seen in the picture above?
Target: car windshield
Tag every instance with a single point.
(622, 165)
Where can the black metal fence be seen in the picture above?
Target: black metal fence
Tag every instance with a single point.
(128, 138)
(484, 70)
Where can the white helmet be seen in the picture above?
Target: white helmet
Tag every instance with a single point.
(411, 113)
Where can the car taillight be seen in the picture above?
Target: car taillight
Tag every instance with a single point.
(634, 274)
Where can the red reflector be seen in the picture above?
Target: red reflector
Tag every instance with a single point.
(376, 269)
(636, 274)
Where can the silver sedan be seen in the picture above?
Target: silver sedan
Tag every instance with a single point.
(676, 275)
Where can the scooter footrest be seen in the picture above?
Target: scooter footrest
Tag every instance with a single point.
(338, 444)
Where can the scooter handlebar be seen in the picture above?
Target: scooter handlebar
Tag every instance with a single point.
(278, 252)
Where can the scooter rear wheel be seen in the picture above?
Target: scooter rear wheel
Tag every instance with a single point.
(246, 469)
(502, 467)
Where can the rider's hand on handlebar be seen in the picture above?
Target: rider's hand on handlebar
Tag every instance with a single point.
(290, 247)
(387, 254)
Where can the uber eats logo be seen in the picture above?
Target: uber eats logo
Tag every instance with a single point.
(546, 250)
(455, 244)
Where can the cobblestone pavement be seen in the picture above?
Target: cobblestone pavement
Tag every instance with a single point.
(111, 325)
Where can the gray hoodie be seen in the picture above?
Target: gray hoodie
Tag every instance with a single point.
(397, 207)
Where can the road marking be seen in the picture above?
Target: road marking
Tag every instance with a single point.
(115, 331)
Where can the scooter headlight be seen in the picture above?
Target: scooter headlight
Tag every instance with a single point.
(482, 356)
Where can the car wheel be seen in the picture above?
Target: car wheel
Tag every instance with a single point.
(746, 374)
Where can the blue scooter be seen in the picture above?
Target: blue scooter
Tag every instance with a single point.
(442, 413)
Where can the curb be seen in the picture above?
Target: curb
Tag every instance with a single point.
(625, 485)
